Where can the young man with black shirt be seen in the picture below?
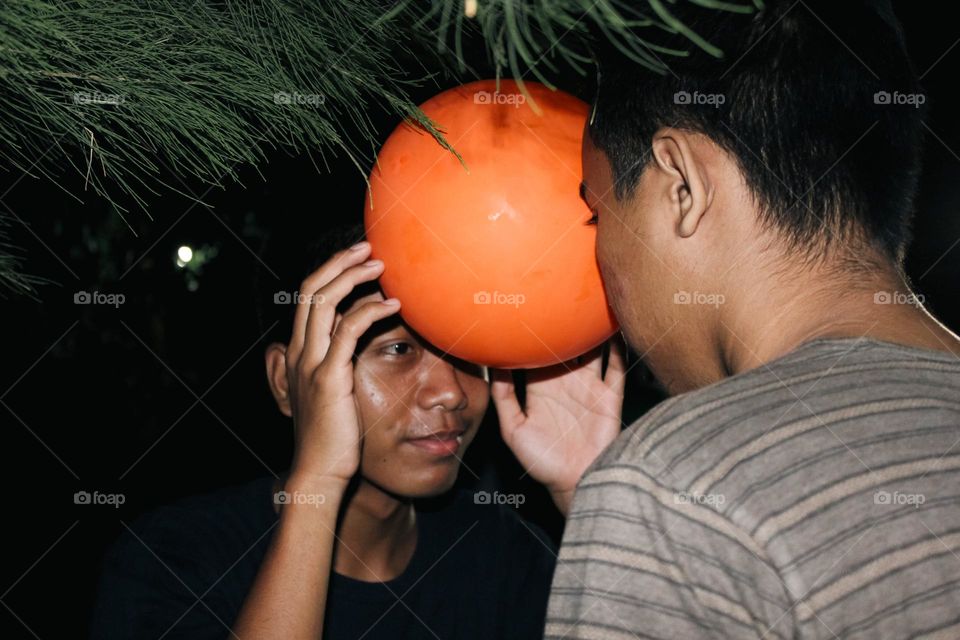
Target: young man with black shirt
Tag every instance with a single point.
(363, 537)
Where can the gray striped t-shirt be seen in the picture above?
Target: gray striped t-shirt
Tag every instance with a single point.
(817, 496)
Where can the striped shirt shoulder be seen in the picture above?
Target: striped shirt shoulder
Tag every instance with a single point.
(815, 496)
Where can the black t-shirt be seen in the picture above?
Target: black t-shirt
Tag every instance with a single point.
(183, 571)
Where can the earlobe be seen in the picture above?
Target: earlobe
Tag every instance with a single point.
(276, 364)
(690, 192)
(695, 198)
(690, 214)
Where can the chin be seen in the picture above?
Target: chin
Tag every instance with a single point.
(428, 483)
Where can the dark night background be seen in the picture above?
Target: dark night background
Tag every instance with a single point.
(166, 395)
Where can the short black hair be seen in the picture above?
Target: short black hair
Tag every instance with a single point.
(817, 101)
(279, 305)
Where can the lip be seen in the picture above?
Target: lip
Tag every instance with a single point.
(441, 443)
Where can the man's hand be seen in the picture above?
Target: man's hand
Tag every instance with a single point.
(320, 367)
(289, 596)
(572, 414)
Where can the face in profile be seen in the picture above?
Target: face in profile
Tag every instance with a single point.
(615, 250)
(631, 249)
(419, 409)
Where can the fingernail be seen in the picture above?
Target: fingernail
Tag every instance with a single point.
(373, 263)
(360, 246)
(391, 302)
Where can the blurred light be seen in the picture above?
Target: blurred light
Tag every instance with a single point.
(185, 254)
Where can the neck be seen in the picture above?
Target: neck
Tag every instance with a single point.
(779, 317)
(775, 316)
(376, 534)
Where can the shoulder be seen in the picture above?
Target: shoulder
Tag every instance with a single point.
(762, 416)
(647, 476)
(155, 573)
(199, 528)
(681, 434)
(221, 508)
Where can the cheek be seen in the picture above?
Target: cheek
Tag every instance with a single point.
(478, 396)
(610, 259)
(606, 251)
(375, 400)
(381, 410)
(478, 393)
(383, 418)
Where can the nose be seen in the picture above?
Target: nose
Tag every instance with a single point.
(439, 385)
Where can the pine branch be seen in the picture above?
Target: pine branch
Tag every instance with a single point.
(529, 37)
(125, 91)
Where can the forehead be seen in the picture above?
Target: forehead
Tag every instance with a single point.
(596, 168)
(395, 327)
(392, 325)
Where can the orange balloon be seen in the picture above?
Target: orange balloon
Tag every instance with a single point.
(493, 263)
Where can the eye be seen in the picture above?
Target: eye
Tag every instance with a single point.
(593, 218)
(397, 349)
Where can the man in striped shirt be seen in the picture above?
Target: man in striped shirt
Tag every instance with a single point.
(803, 479)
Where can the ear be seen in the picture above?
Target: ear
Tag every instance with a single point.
(678, 156)
(276, 359)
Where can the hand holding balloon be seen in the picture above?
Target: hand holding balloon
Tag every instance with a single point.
(572, 415)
